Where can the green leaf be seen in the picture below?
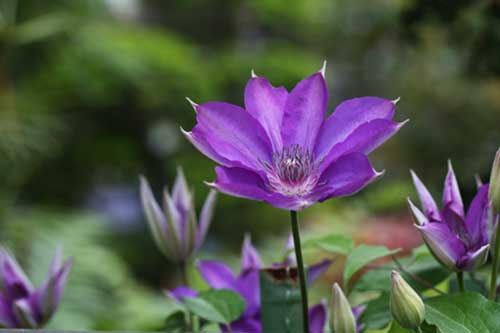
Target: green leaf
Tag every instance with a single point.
(332, 243)
(377, 314)
(463, 313)
(396, 328)
(280, 301)
(220, 306)
(361, 256)
(175, 321)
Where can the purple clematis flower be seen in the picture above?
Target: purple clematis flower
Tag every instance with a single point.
(459, 242)
(284, 150)
(23, 306)
(218, 276)
(175, 230)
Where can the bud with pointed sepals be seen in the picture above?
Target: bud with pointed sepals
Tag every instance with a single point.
(175, 228)
(342, 319)
(494, 192)
(407, 307)
(23, 306)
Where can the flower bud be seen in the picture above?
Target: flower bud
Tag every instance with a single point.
(407, 307)
(494, 192)
(342, 319)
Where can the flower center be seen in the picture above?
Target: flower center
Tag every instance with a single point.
(293, 171)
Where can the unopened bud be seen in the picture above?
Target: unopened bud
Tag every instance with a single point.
(342, 319)
(407, 307)
(494, 193)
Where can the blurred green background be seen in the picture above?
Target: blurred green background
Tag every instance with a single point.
(92, 95)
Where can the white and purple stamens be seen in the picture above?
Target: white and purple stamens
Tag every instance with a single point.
(293, 171)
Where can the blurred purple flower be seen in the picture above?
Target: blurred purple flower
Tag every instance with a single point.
(460, 242)
(218, 276)
(175, 230)
(284, 150)
(23, 306)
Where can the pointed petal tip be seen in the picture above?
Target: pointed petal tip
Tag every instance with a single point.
(212, 185)
(193, 104)
(395, 101)
(404, 122)
(252, 74)
(187, 134)
(323, 69)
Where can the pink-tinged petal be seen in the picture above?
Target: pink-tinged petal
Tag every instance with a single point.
(317, 318)
(318, 269)
(248, 285)
(347, 117)
(428, 204)
(478, 216)
(363, 139)
(451, 192)
(346, 176)
(217, 275)
(267, 103)
(243, 325)
(443, 244)
(305, 111)
(206, 215)
(250, 258)
(472, 260)
(233, 134)
(243, 183)
(178, 294)
(418, 217)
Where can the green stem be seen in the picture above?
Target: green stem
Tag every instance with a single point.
(494, 270)
(185, 281)
(418, 330)
(300, 265)
(460, 279)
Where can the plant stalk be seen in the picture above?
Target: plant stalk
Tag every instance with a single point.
(494, 270)
(300, 265)
(418, 330)
(460, 280)
(190, 320)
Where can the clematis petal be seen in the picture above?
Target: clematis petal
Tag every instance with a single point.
(363, 139)
(217, 275)
(443, 244)
(243, 183)
(12, 278)
(243, 325)
(428, 204)
(181, 194)
(233, 134)
(418, 217)
(346, 176)
(317, 318)
(155, 217)
(7, 319)
(472, 260)
(206, 215)
(478, 216)
(248, 285)
(456, 223)
(24, 314)
(178, 294)
(357, 311)
(347, 117)
(316, 270)
(451, 192)
(305, 111)
(50, 292)
(266, 104)
(250, 259)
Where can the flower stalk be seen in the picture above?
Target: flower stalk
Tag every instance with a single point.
(494, 269)
(300, 265)
(460, 280)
